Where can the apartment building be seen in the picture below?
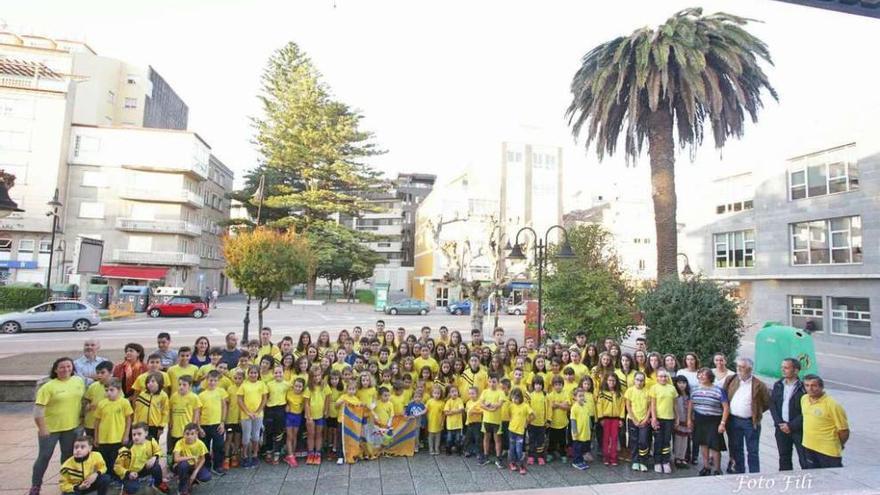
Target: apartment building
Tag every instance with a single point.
(111, 138)
(530, 187)
(800, 242)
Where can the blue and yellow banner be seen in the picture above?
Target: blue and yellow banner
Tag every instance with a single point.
(362, 439)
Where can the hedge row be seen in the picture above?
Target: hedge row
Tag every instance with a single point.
(14, 298)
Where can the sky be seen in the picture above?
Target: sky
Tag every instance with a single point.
(442, 83)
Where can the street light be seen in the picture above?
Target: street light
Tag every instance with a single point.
(686, 271)
(7, 205)
(540, 248)
(55, 204)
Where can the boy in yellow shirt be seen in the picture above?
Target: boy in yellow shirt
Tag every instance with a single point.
(233, 422)
(276, 403)
(454, 411)
(96, 392)
(506, 386)
(473, 439)
(520, 415)
(152, 406)
(85, 470)
(559, 402)
(182, 368)
(143, 459)
(638, 406)
(212, 420)
(538, 424)
(189, 460)
(113, 421)
(491, 401)
(154, 365)
(185, 408)
(581, 427)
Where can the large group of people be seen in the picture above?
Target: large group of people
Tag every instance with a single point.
(516, 404)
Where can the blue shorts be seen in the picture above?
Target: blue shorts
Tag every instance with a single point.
(320, 422)
(293, 420)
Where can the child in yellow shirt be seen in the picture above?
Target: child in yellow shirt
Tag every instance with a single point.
(96, 392)
(85, 470)
(152, 406)
(520, 415)
(538, 424)
(113, 421)
(294, 418)
(473, 439)
(581, 427)
(435, 419)
(453, 410)
(559, 403)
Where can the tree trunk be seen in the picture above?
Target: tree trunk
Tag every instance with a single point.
(330, 286)
(260, 309)
(661, 149)
(310, 286)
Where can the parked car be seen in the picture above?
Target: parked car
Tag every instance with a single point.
(464, 307)
(517, 309)
(52, 315)
(179, 306)
(407, 307)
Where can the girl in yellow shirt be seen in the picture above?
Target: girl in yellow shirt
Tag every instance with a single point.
(293, 418)
(610, 409)
(435, 419)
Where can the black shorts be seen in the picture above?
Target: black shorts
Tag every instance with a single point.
(233, 428)
(332, 423)
(491, 429)
(706, 432)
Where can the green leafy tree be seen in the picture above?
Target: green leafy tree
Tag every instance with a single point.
(691, 70)
(264, 263)
(692, 315)
(341, 254)
(589, 292)
(314, 145)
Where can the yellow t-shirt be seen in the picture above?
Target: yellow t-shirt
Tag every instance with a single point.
(183, 409)
(317, 399)
(212, 406)
(367, 395)
(295, 402)
(558, 417)
(134, 458)
(580, 370)
(111, 416)
(270, 349)
(823, 419)
(152, 409)
(340, 366)
(435, 415)
(333, 410)
(94, 394)
(453, 421)
(495, 397)
(505, 408)
(233, 413)
(140, 383)
(176, 372)
(419, 363)
(569, 388)
(196, 449)
(640, 403)
(62, 401)
(665, 396)
(519, 417)
(384, 412)
(540, 407)
(252, 393)
(277, 393)
(580, 416)
(399, 402)
(473, 412)
(469, 379)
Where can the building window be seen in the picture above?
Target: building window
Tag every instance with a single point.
(807, 312)
(851, 316)
(5, 245)
(91, 210)
(822, 242)
(442, 297)
(86, 144)
(836, 175)
(131, 103)
(45, 247)
(26, 246)
(94, 179)
(735, 249)
(131, 79)
(641, 265)
(735, 206)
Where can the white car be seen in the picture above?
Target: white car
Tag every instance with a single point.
(517, 309)
(74, 315)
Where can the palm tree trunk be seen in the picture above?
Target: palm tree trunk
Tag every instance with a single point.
(661, 149)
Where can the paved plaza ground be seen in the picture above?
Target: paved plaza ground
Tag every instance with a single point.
(425, 474)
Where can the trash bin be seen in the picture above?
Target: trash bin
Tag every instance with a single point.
(775, 342)
(64, 291)
(137, 295)
(99, 296)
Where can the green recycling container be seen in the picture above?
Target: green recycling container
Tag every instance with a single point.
(776, 342)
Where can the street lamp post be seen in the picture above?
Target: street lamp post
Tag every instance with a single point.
(686, 271)
(247, 322)
(55, 204)
(7, 205)
(540, 249)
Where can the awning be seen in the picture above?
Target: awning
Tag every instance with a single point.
(133, 272)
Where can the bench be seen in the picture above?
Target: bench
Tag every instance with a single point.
(19, 388)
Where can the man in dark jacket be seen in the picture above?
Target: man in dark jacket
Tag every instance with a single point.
(785, 407)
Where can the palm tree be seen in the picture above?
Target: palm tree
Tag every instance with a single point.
(691, 69)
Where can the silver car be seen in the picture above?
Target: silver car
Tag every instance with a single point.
(52, 315)
(517, 309)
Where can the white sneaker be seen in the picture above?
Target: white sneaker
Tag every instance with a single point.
(643, 468)
(658, 468)
(340, 461)
(635, 466)
(667, 468)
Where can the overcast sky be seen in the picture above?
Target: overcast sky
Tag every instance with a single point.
(441, 83)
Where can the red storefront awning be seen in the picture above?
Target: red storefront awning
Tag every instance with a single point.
(133, 272)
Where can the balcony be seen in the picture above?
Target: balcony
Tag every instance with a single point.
(155, 258)
(11, 81)
(159, 226)
(193, 168)
(158, 195)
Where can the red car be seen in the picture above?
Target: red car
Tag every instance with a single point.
(179, 306)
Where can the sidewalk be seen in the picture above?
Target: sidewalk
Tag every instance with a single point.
(424, 474)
